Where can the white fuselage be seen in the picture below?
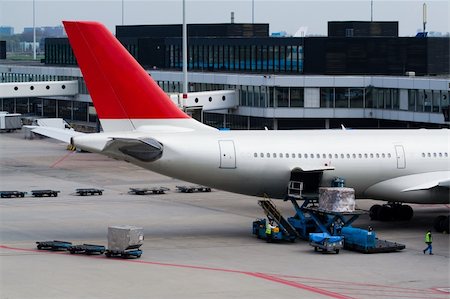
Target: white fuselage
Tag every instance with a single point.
(378, 164)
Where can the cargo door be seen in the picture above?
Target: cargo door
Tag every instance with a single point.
(227, 154)
(400, 155)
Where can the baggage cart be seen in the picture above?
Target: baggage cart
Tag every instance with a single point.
(43, 193)
(53, 245)
(89, 191)
(9, 194)
(87, 249)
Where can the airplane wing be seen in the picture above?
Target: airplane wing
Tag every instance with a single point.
(445, 183)
(55, 133)
(145, 149)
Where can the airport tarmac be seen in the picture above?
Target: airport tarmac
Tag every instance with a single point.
(197, 245)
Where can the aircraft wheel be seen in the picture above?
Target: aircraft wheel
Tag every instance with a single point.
(438, 223)
(405, 213)
(385, 213)
(373, 212)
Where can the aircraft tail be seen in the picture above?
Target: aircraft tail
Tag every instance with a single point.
(124, 95)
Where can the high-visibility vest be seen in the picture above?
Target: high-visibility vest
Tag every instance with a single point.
(428, 238)
(268, 229)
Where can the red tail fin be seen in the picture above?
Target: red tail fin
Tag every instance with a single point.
(119, 87)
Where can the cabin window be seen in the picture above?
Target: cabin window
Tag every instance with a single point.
(255, 155)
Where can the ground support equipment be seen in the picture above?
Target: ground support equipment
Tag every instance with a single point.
(286, 230)
(42, 193)
(53, 245)
(191, 189)
(9, 194)
(124, 254)
(259, 230)
(89, 191)
(146, 191)
(366, 241)
(87, 249)
(310, 219)
(325, 242)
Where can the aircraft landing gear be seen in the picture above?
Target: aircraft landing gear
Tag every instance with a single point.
(441, 224)
(391, 211)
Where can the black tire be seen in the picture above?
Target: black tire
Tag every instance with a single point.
(385, 213)
(108, 254)
(39, 247)
(373, 212)
(100, 193)
(337, 251)
(438, 223)
(405, 213)
(315, 249)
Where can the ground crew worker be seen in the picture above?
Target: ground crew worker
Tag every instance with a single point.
(428, 241)
(269, 227)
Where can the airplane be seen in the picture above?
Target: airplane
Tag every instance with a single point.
(141, 125)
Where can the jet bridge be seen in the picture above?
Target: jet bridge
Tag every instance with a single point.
(38, 89)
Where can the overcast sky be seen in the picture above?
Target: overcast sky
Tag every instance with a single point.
(281, 15)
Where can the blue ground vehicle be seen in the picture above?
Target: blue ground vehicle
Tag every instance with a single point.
(278, 234)
(326, 242)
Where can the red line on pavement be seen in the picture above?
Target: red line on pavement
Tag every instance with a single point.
(252, 274)
(298, 285)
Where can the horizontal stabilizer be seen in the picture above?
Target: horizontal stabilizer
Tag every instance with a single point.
(55, 133)
(145, 149)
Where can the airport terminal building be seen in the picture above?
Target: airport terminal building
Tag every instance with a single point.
(362, 75)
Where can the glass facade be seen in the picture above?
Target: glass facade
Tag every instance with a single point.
(238, 55)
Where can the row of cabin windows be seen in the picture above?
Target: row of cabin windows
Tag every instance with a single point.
(434, 155)
(342, 156)
(323, 156)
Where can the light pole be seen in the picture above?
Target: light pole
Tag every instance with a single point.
(122, 11)
(185, 77)
(253, 11)
(34, 30)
